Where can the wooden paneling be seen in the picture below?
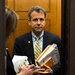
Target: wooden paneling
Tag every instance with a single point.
(22, 15)
(48, 25)
(58, 17)
(21, 7)
(6, 2)
(22, 28)
(10, 4)
(25, 5)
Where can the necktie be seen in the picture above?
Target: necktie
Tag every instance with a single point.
(37, 48)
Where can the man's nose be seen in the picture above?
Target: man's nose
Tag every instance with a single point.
(38, 21)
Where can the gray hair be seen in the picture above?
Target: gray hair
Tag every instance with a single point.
(37, 9)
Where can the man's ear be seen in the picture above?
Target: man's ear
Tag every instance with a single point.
(29, 22)
(45, 22)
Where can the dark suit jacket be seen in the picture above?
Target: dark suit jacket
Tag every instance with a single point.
(24, 46)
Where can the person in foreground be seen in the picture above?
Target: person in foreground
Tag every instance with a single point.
(11, 23)
(25, 45)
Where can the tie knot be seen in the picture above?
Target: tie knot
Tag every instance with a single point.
(37, 38)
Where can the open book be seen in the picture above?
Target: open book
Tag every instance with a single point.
(50, 56)
(19, 60)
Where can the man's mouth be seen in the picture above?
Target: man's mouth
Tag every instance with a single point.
(38, 27)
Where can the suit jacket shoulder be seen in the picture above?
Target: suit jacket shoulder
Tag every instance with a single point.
(50, 38)
(27, 36)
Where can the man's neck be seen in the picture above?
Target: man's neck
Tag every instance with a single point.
(37, 33)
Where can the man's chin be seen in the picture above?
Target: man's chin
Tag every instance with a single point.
(38, 32)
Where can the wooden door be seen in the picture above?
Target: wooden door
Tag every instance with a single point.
(21, 7)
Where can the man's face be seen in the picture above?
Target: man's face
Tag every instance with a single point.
(37, 22)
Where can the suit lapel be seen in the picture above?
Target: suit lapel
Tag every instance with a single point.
(45, 40)
(30, 47)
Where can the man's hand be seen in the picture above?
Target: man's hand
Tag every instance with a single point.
(44, 70)
(32, 70)
(48, 70)
(27, 70)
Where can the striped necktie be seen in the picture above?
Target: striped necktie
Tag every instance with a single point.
(37, 48)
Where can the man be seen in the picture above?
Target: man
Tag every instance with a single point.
(26, 44)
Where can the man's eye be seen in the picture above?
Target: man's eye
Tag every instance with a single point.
(35, 19)
(41, 19)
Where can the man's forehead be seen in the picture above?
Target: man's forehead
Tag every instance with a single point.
(37, 14)
(34, 12)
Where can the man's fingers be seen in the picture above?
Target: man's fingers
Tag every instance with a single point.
(32, 66)
(43, 72)
(39, 70)
(45, 66)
